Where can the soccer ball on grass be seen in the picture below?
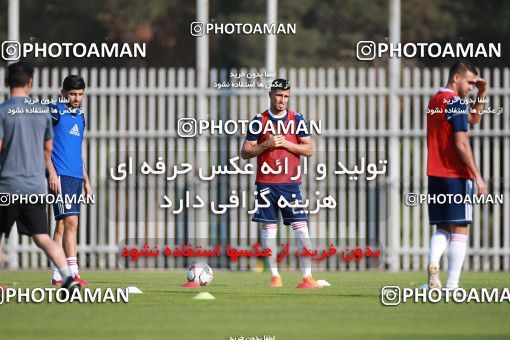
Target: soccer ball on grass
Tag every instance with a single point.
(200, 273)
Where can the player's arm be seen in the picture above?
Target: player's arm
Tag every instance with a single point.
(1, 135)
(86, 181)
(251, 148)
(52, 173)
(466, 154)
(475, 112)
(48, 149)
(304, 148)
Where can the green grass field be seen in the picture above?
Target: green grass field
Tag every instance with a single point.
(246, 306)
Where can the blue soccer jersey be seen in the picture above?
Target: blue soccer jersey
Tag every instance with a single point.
(68, 129)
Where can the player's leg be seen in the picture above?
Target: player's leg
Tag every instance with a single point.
(439, 216)
(56, 255)
(1, 261)
(58, 235)
(300, 230)
(70, 244)
(438, 243)
(54, 252)
(2, 257)
(8, 215)
(69, 241)
(267, 217)
(69, 211)
(462, 214)
(269, 241)
(297, 218)
(456, 254)
(33, 222)
(452, 219)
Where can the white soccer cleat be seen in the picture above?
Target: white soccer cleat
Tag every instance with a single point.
(434, 280)
(324, 283)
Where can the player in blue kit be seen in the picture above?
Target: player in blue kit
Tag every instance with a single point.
(67, 174)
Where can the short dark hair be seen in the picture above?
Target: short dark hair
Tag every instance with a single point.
(73, 82)
(461, 67)
(280, 84)
(19, 74)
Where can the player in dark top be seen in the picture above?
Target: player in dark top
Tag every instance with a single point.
(25, 146)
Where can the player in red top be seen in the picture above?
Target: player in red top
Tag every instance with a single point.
(280, 150)
(451, 169)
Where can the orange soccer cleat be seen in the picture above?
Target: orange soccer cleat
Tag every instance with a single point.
(276, 282)
(308, 283)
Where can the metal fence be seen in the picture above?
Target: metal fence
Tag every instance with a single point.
(135, 113)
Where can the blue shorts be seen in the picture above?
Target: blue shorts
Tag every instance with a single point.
(450, 212)
(290, 192)
(71, 189)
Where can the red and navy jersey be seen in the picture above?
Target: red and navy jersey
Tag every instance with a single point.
(278, 157)
(447, 114)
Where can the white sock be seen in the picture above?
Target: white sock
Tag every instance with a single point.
(56, 273)
(269, 240)
(72, 262)
(456, 255)
(66, 272)
(300, 230)
(438, 243)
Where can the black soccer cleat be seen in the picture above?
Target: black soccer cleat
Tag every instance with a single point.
(71, 284)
